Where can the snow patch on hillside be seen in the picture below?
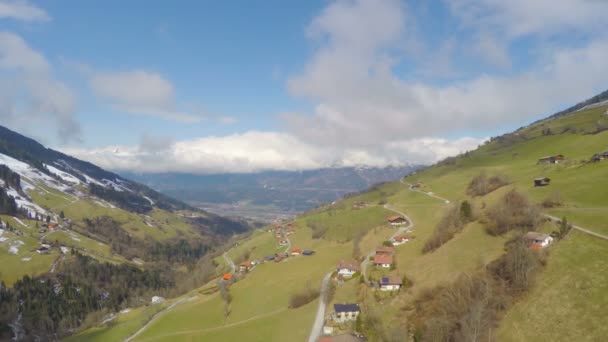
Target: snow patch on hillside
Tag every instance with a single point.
(13, 247)
(66, 177)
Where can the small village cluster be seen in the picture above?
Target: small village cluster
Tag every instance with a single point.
(559, 158)
(336, 325)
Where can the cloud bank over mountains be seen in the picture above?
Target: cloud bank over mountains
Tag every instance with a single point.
(381, 86)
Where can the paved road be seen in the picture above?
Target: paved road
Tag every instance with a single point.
(154, 318)
(411, 188)
(320, 318)
(553, 218)
(229, 262)
(558, 220)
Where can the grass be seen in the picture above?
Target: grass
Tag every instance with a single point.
(570, 298)
(13, 268)
(345, 223)
(120, 328)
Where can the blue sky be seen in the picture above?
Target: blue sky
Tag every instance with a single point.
(239, 86)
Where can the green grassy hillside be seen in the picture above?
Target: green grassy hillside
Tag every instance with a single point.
(568, 299)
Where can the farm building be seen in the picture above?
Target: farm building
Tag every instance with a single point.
(346, 312)
(43, 250)
(534, 238)
(543, 181)
(385, 250)
(401, 239)
(308, 252)
(390, 283)
(551, 159)
(397, 220)
(384, 261)
(296, 251)
(246, 266)
(346, 268)
(599, 156)
(227, 276)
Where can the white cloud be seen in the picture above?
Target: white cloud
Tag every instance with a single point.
(256, 151)
(33, 97)
(139, 92)
(16, 54)
(516, 18)
(360, 101)
(22, 10)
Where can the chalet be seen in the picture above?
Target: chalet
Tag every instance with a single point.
(384, 261)
(543, 181)
(246, 266)
(346, 268)
(401, 239)
(346, 312)
(599, 156)
(308, 252)
(227, 276)
(551, 159)
(385, 250)
(534, 238)
(341, 338)
(397, 220)
(43, 250)
(390, 283)
(359, 205)
(296, 251)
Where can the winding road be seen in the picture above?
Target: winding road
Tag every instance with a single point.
(550, 217)
(320, 318)
(155, 317)
(229, 262)
(317, 326)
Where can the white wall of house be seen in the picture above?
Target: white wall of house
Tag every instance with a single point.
(546, 242)
(346, 316)
(384, 265)
(346, 272)
(390, 287)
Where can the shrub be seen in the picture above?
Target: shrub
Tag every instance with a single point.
(302, 298)
(513, 211)
(451, 223)
(553, 200)
(482, 185)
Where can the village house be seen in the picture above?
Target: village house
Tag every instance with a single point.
(289, 231)
(390, 283)
(246, 266)
(381, 260)
(341, 338)
(385, 250)
(227, 276)
(346, 312)
(359, 205)
(534, 238)
(397, 220)
(346, 268)
(599, 156)
(53, 226)
(542, 181)
(551, 159)
(308, 252)
(43, 250)
(401, 239)
(296, 251)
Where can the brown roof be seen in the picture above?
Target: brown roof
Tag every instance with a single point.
(391, 280)
(227, 276)
(395, 218)
(403, 237)
(383, 259)
(385, 250)
(535, 236)
(349, 264)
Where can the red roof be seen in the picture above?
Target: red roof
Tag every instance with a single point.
(227, 276)
(383, 259)
(296, 250)
(385, 250)
(395, 218)
(246, 264)
(535, 246)
(404, 237)
(349, 264)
